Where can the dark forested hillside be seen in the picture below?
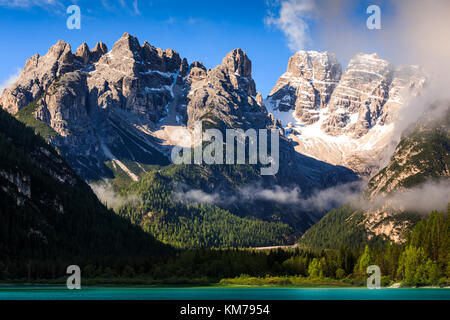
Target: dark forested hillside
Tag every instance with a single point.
(47, 212)
(345, 226)
(189, 224)
(339, 227)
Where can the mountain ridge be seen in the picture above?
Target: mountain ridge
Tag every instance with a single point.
(343, 117)
(113, 114)
(390, 205)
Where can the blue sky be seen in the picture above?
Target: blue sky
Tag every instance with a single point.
(198, 30)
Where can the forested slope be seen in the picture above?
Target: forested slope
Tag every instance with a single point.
(48, 212)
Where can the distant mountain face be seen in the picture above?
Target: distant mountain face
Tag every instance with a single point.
(354, 228)
(100, 104)
(119, 108)
(422, 157)
(343, 118)
(113, 114)
(48, 212)
(115, 111)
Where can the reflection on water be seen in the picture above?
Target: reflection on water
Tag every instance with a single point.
(227, 293)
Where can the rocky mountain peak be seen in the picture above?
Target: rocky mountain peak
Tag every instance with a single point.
(370, 65)
(335, 112)
(259, 99)
(236, 61)
(127, 46)
(74, 93)
(83, 53)
(128, 56)
(170, 54)
(197, 64)
(197, 71)
(238, 68)
(39, 72)
(357, 103)
(59, 49)
(62, 53)
(86, 57)
(315, 65)
(163, 60)
(100, 47)
(307, 85)
(99, 50)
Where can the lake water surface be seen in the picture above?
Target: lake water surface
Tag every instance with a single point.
(226, 293)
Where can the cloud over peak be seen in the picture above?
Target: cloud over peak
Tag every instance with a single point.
(293, 21)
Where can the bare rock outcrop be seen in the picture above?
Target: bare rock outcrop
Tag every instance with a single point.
(343, 118)
(307, 84)
(37, 75)
(110, 109)
(224, 95)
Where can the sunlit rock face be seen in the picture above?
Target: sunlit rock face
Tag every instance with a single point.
(115, 112)
(307, 85)
(343, 118)
(102, 105)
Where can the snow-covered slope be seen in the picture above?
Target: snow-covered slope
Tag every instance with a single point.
(343, 118)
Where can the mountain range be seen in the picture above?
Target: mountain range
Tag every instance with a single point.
(414, 182)
(343, 117)
(113, 115)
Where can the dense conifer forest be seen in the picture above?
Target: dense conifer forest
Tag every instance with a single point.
(50, 218)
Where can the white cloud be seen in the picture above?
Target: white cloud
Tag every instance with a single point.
(110, 198)
(424, 198)
(293, 21)
(11, 79)
(277, 194)
(197, 195)
(136, 7)
(107, 5)
(320, 200)
(118, 6)
(29, 3)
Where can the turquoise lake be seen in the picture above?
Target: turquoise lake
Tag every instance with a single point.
(214, 293)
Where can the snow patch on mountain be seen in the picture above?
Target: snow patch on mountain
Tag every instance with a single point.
(343, 118)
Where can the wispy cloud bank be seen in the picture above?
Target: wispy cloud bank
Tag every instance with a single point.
(424, 198)
(319, 201)
(292, 19)
(136, 7)
(197, 195)
(417, 32)
(29, 3)
(110, 198)
(11, 79)
(117, 6)
(277, 194)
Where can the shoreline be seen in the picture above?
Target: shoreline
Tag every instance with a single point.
(6, 285)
